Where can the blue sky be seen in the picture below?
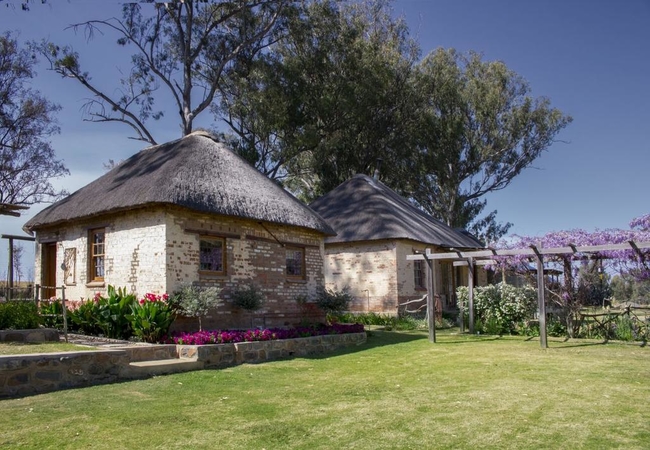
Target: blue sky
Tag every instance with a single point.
(591, 58)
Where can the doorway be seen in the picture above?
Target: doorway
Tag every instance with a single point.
(48, 276)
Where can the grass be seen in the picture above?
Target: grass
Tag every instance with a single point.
(22, 348)
(397, 392)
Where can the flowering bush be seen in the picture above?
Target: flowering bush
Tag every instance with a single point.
(151, 317)
(232, 336)
(500, 307)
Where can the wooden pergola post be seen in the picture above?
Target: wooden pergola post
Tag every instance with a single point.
(541, 300)
(470, 292)
(431, 304)
(10, 270)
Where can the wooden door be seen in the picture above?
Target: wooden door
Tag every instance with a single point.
(48, 277)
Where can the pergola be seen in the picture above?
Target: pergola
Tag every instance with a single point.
(484, 257)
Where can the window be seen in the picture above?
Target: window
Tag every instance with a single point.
(212, 255)
(418, 275)
(295, 262)
(97, 254)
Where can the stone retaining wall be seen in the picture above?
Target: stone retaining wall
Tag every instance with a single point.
(224, 355)
(22, 375)
(33, 335)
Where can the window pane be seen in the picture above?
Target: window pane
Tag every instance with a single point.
(211, 256)
(294, 259)
(99, 266)
(418, 274)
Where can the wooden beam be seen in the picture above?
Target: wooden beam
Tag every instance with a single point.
(18, 238)
(479, 262)
(458, 255)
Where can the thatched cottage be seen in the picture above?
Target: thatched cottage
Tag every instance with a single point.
(375, 230)
(188, 211)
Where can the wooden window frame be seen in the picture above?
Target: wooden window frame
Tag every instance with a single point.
(418, 267)
(93, 255)
(303, 267)
(213, 239)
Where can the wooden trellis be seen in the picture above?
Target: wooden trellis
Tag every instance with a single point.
(483, 257)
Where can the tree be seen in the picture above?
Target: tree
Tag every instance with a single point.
(479, 129)
(328, 100)
(183, 47)
(27, 120)
(18, 253)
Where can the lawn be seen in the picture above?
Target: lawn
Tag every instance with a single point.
(397, 392)
(22, 348)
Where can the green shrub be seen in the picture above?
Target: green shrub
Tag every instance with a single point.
(249, 298)
(498, 308)
(151, 317)
(18, 315)
(333, 302)
(195, 301)
(107, 316)
(50, 312)
(555, 328)
(84, 319)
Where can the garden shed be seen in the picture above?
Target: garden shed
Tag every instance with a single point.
(187, 211)
(376, 229)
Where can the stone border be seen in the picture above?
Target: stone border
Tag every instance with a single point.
(22, 375)
(32, 335)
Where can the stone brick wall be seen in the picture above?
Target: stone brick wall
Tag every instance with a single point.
(369, 269)
(255, 254)
(22, 375)
(157, 250)
(135, 254)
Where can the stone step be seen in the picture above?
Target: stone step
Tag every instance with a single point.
(164, 366)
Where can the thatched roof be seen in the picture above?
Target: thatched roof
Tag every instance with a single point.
(194, 172)
(364, 209)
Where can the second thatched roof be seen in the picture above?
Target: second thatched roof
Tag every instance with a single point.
(194, 172)
(364, 209)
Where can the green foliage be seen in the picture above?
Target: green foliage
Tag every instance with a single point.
(249, 298)
(401, 323)
(327, 100)
(333, 302)
(113, 311)
(51, 314)
(195, 301)
(18, 315)
(478, 129)
(498, 308)
(85, 319)
(107, 316)
(151, 318)
(556, 328)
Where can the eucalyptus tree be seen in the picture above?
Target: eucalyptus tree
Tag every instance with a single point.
(479, 128)
(27, 121)
(181, 49)
(328, 100)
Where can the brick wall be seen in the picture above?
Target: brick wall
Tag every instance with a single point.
(369, 269)
(255, 254)
(135, 253)
(157, 250)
